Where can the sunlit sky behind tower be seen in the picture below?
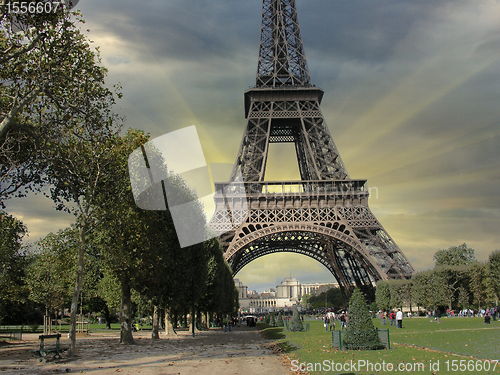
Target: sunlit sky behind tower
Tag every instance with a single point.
(412, 99)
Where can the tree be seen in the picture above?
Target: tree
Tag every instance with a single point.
(361, 333)
(218, 271)
(453, 278)
(420, 288)
(108, 288)
(279, 321)
(334, 297)
(454, 256)
(76, 169)
(395, 287)
(477, 274)
(296, 322)
(141, 247)
(463, 298)
(383, 296)
(53, 89)
(13, 262)
(53, 270)
(428, 289)
(49, 76)
(494, 271)
(272, 319)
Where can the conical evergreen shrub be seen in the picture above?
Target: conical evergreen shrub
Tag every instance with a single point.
(296, 322)
(361, 333)
(272, 320)
(280, 320)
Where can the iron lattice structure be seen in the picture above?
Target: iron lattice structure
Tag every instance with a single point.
(325, 215)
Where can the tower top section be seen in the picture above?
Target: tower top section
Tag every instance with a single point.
(282, 61)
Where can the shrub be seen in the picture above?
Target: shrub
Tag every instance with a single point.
(272, 320)
(296, 322)
(280, 320)
(267, 318)
(361, 333)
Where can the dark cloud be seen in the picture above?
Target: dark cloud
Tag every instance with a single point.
(184, 62)
(357, 30)
(179, 29)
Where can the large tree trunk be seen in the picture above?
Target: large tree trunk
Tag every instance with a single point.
(76, 292)
(169, 330)
(193, 319)
(175, 319)
(125, 316)
(156, 322)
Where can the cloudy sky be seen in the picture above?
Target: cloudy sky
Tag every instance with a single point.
(412, 99)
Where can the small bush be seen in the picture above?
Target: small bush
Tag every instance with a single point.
(272, 320)
(280, 320)
(296, 322)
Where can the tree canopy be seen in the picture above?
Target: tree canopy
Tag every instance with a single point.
(13, 263)
(454, 256)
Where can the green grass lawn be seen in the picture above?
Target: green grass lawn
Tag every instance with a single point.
(421, 346)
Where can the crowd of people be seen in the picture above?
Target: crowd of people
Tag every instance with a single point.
(492, 312)
(330, 317)
(488, 314)
(395, 318)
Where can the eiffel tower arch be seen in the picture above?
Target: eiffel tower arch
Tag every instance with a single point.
(324, 215)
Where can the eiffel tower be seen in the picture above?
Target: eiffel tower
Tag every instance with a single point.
(325, 215)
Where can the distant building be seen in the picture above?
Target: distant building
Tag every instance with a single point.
(285, 296)
(242, 289)
(316, 288)
(269, 293)
(289, 288)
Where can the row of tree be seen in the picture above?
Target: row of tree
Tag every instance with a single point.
(332, 298)
(457, 281)
(59, 135)
(45, 278)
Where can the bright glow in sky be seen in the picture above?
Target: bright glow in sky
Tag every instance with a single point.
(412, 93)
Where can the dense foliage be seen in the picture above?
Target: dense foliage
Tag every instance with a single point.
(457, 281)
(361, 333)
(296, 323)
(13, 263)
(332, 298)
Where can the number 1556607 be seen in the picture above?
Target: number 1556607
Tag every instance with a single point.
(31, 7)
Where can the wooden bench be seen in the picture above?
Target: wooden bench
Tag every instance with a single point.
(43, 350)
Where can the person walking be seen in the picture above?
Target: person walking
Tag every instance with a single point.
(399, 319)
(332, 322)
(342, 321)
(382, 318)
(392, 318)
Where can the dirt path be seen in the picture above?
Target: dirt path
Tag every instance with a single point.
(242, 351)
